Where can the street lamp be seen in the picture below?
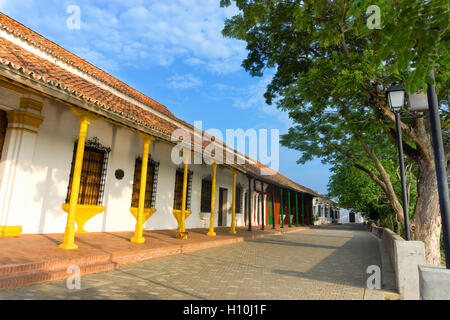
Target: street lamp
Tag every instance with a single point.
(420, 102)
(396, 94)
(396, 98)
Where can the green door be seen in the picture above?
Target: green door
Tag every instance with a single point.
(270, 211)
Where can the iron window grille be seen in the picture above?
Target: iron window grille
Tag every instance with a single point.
(205, 203)
(178, 195)
(93, 173)
(151, 183)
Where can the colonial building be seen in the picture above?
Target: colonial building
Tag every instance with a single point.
(82, 151)
(326, 211)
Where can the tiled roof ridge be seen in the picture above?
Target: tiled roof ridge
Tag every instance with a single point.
(96, 72)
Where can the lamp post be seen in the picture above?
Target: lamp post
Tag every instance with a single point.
(396, 94)
(421, 102)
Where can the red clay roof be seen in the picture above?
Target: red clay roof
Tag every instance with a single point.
(68, 57)
(43, 70)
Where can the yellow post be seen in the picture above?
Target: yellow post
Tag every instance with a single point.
(233, 215)
(138, 238)
(69, 235)
(182, 232)
(213, 198)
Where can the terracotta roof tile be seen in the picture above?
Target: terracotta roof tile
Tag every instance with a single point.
(62, 54)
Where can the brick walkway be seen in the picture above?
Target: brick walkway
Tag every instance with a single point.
(36, 258)
(321, 263)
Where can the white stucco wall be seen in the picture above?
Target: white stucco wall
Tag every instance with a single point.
(45, 164)
(345, 218)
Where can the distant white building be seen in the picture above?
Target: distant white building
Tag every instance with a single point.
(350, 216)
(326, 211)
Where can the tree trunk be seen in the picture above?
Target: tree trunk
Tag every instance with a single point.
(426, 223)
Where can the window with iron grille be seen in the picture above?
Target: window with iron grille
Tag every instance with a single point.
(178, 196)
(206, 195)
(238, 199)
(93, 173)
(151, 183)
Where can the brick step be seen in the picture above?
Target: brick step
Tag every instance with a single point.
(38, 277)
(18, 270)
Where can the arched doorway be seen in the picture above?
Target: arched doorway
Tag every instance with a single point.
(352, 217)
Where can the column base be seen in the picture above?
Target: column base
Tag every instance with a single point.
(182, 235)
(68, 246)
(232, 232)
(8, 231)
(137, 239)
(211, 233)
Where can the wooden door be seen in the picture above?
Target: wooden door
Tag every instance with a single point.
(3, 125)
(352, 217)
(246, 215)
(222, 206)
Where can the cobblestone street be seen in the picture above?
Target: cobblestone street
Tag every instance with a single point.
(322, 263)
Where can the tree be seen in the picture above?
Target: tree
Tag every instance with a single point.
(332, 73)
(354, 189)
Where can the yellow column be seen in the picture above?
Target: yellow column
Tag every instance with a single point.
(233, 215)
(138, 238)
(182, 232)
(69, 235)
(213, 198)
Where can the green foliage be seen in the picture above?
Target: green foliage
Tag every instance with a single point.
(297, 35)
(354, 189)
(413, 37)
(332, 72)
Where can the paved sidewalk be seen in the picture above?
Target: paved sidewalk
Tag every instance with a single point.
(321, 263)
(36, 258)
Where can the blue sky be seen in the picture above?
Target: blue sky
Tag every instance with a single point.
(174, 52)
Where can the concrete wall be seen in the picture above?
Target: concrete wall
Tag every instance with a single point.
(434, 283)
(405, 256)
(41, 175)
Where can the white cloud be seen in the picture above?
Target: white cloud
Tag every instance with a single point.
(186, 31)
(193, 61)
(254, 95)
(253, 98)
(96, 59)
(184, 82)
